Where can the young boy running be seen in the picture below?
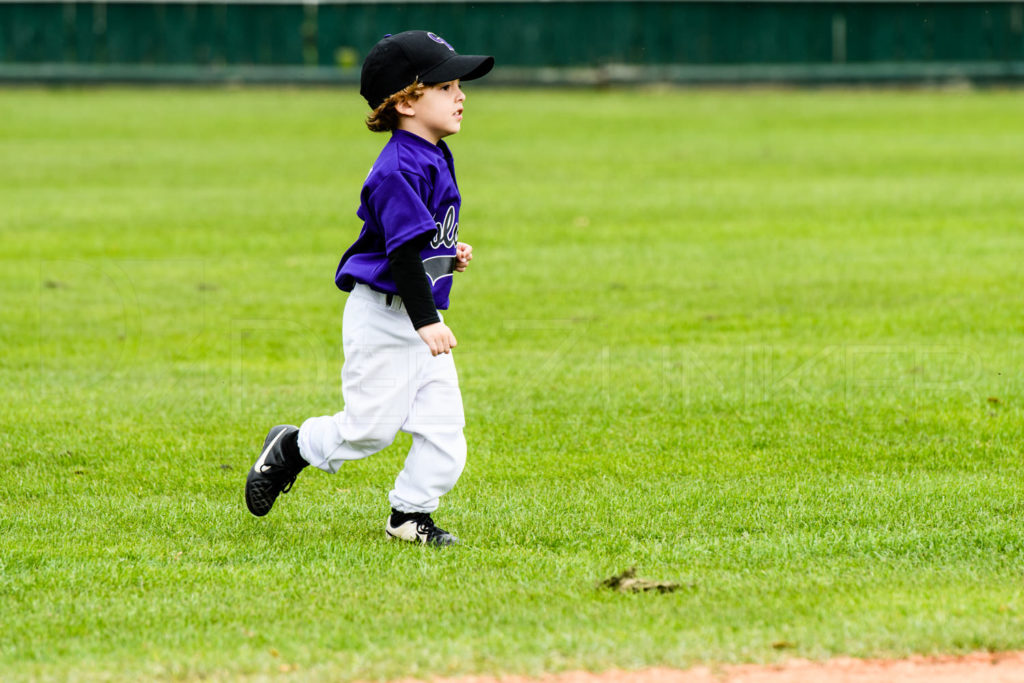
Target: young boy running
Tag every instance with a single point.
(399, 374)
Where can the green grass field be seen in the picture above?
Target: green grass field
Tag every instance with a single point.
(766, 344)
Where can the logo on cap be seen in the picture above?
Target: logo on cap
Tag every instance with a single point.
(438, 39)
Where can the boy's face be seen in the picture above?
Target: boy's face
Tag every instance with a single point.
(436, 114)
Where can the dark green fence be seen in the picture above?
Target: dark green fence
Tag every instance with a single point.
(556, 41)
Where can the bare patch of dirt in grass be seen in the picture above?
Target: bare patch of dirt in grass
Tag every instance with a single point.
(982, 667)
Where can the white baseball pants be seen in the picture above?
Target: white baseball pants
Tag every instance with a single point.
(391, 383)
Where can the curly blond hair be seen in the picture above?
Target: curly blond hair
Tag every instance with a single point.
(386, 117)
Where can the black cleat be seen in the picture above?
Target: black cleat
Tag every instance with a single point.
(274, 471)
(417, 527)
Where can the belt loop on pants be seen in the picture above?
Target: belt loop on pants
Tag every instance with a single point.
(363, 291)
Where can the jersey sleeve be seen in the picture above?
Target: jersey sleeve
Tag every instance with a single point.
(399, 204)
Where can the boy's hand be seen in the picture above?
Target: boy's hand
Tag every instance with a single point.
(463, 255)
(438, 337)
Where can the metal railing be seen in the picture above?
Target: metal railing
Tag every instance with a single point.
(593, 41)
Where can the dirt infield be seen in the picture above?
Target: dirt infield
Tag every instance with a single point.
(981, 667)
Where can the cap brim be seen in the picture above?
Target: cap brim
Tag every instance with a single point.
(459, 67)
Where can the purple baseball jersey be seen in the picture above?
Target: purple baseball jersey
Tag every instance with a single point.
(410, 192)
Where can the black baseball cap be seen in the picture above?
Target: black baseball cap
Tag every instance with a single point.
(400, 60)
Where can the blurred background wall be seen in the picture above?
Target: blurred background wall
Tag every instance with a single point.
(591, 42)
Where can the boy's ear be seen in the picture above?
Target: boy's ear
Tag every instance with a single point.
(405, 108)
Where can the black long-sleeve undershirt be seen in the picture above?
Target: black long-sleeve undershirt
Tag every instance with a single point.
(412, 282)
